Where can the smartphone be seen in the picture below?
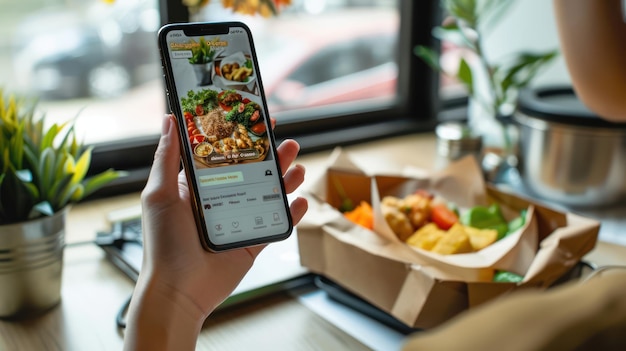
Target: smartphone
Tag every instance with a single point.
(228, 149)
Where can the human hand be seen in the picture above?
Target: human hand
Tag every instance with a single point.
(177, 273)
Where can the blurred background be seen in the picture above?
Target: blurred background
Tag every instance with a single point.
(99, 60)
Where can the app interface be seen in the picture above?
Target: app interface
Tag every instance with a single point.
(220, 98)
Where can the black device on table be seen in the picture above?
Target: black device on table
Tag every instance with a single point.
(276, 269)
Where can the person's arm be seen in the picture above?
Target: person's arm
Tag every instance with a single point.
(589, 316)
(592, 36)
(180, 283)
(161, 319)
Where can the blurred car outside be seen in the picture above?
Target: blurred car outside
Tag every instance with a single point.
(306, 60)
(336, 57)
(101, 50)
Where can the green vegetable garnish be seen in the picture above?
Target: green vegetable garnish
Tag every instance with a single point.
(507, 277)
(346, 203)
(242, 117)
(482, 217)
(207, 98)
(517, 223)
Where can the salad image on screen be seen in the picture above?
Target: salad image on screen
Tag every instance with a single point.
(224, 127)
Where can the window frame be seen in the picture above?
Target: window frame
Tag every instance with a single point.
(416, 109)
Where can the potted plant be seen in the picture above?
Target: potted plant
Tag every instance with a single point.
(492, 85)
(44, 171)
(202, 56)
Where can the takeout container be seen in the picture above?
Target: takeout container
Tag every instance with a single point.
(222, 82)
(419, 288)
(568, 154)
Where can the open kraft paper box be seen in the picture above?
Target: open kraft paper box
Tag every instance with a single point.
(419, 288)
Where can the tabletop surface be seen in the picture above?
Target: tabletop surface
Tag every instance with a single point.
(94, 290)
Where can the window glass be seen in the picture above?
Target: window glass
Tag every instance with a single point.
(90, 59)
(322, 53)
(98, 60)
(450, 87)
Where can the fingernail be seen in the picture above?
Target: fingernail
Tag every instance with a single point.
(167, 122)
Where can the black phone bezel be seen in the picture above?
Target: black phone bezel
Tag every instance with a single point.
(214, 28)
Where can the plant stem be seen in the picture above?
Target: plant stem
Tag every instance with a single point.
(498, 97)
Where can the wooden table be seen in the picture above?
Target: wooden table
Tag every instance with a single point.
(93, 290)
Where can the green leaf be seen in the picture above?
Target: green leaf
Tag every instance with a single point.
(202, 53)
(96, 182)
(24, 175)
(57, 188)
(485, 218)
(46, 169)
(429, 56)
(78, 194)
(16, 196)
(43, 166)
(42, 208)
(30, 158)
(453, 34)
(6, 161)
(82, 166)
(465, 76)
(16, 145)
(66, 195)
(49, 137)
(74, 148)
(66, 141)
(69, 166)
(524, 69)
(462, 9)
(59, 172)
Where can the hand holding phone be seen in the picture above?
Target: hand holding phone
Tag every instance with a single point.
(228, 149)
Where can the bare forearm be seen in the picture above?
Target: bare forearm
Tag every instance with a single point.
(159, 319)
(592, 34)
(559, 319)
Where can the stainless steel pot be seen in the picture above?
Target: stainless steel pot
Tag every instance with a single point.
(567, 154)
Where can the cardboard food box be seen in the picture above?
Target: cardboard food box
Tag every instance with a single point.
(420, 288)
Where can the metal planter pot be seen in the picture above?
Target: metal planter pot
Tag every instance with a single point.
(567, 154)
(31, 262)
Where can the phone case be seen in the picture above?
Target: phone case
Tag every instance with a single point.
(228, 149)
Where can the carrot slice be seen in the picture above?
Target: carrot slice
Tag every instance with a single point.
(362, 215)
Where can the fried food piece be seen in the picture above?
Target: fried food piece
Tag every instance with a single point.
(418, 208)
(481, 238)
(397, 220)
(391, 201)
(454, 241)
(426, 237)
(241, 74)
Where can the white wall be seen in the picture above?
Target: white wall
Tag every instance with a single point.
(529, 25)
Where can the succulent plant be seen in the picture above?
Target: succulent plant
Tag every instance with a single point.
(44, 168)
(202, 53)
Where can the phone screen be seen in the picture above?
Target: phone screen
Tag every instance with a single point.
(215, 91)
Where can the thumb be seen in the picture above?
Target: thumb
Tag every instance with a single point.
(166, 165)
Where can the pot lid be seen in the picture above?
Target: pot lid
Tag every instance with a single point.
(561, 105)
